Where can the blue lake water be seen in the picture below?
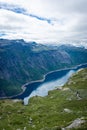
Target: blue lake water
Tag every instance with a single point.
(50, 82)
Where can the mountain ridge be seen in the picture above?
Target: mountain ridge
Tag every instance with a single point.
(21, 62)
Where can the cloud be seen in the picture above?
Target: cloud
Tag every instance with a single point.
(20, 10)
(43, 20)
(12, 7)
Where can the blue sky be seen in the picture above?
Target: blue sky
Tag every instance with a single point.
(20, 10)
(44, 20)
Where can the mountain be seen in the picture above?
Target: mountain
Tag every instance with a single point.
(21, 62)
(62, 109)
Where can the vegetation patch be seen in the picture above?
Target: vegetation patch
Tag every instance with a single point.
(57, 111)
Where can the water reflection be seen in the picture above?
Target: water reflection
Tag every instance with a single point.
(43, 89)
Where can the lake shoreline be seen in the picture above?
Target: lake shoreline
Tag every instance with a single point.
(41, 80)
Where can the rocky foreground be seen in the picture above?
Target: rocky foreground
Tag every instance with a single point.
(64, 109)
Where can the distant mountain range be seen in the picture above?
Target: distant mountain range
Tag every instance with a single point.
(21, 62)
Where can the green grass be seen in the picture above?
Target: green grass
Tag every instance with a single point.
(48, 113)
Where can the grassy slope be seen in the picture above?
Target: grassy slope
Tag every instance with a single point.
(48, 113)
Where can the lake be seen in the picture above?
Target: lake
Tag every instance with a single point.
(51, 81)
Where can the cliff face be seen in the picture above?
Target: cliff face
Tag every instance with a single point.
(21, 62)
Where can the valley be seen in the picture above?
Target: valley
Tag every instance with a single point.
(43, 65)
(22, 62)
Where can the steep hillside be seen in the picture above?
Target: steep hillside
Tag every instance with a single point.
(64, 109)
(21, 62)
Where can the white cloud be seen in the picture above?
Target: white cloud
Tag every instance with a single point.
(68, 20)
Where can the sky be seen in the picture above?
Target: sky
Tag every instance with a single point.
(44, 21)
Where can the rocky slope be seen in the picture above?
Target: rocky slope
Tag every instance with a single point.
(21, 62)
(64, 109)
